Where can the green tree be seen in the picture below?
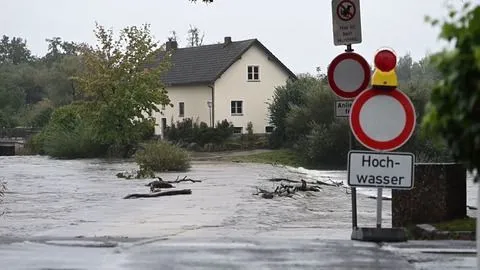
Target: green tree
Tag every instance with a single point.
(14, 51)
(60, 85)
(453, 112)
(121, 82)
(291, 96)
(58, 49)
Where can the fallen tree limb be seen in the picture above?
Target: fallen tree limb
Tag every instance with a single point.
(286, 190)
(185, 179)
(282, 180)
(159, 194)
(383, 198)
(317, 182)
(333, 184)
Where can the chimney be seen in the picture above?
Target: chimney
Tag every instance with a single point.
(227, 41)
(171, 45)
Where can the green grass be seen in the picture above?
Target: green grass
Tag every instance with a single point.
(466, 224)
(279, 157)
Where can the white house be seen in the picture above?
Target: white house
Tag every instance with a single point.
(229, 80)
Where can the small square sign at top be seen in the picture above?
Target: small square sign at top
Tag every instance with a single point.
(347, 28)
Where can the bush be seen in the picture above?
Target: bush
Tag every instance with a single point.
(146, 129)
(34, 145)
(161, 156)
(296, 107)
(76, 143)
(69, 134)
(188, 132)
(326, 145)
(302, 114)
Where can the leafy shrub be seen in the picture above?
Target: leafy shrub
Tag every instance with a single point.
(75, 143)
(38, 115)
(326, 145)
(34, 145)
(161, 156)
(186, 131)
(284, 98)
(303, 118)
(250, 135)
(146, 129)
(69, 134)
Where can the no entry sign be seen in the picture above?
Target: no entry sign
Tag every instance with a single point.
(382, 120)
(348, 74)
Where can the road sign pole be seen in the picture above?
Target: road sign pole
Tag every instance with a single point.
(353, 189)
(379, 208)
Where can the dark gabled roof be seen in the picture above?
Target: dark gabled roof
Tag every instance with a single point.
(205, 64)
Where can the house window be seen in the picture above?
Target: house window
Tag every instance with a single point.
(253, 73)
(181, 109)
(268, 129)
(236, 107)
(237, 130)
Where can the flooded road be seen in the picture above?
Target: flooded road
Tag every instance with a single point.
(84, 198)
(74, 203)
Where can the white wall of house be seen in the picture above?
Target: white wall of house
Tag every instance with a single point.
(233, 85)
(195, 100)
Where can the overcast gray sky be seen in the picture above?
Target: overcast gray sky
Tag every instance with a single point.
(298, 32)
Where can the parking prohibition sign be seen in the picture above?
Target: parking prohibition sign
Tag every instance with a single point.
(382, 120)
(346, 21)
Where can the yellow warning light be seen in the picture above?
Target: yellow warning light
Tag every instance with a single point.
(384, 76)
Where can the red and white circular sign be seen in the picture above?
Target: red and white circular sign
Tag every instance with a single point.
(348, 74)
(382, 120)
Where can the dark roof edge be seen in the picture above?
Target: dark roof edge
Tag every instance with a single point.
(256, 41)
(203, 83)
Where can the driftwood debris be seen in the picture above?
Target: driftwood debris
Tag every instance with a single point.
(160, 183)
(159, 194)
(184, 179)
(318, 182)
(284, 190)
(283, 180)
(332, 184)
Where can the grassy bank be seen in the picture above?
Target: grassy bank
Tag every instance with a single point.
(285, 157)
(279, 157)
(458, 225)
(458, 229)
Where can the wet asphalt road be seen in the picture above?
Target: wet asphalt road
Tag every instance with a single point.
(71, 215)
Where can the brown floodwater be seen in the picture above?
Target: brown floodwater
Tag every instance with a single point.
(73, 198)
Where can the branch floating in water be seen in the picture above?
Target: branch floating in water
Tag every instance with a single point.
(159, 194)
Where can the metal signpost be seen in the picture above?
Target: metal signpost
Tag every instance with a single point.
(381, 118)
(349, 73)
